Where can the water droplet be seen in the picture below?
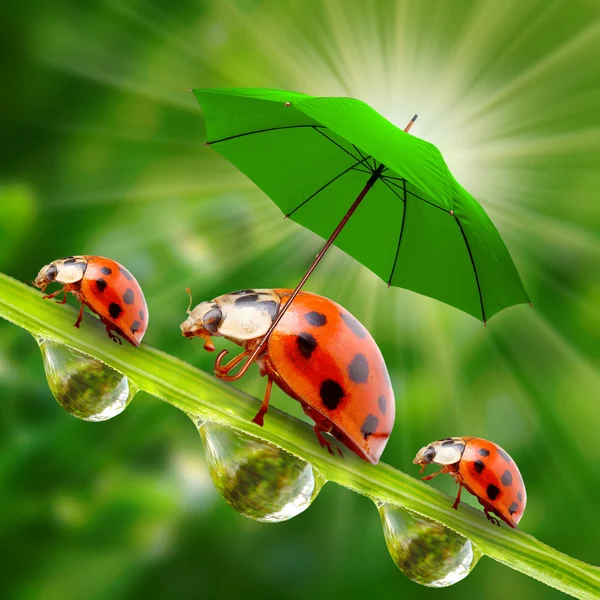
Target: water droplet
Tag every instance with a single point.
(84, 386)
(425, 551)
(257, 479)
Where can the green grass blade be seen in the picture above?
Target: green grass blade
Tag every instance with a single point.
(197, 393)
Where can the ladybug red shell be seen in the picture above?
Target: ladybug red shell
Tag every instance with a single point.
(485, 470)
(319, 354)
(106, 288)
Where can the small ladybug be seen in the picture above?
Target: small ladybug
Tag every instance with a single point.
(318, 354)
(106, 287)
(482, 468)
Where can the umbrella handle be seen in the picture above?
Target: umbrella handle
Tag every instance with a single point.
(221, 371)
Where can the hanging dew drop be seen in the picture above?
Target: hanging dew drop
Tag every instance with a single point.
(425, 551)
(259, 480)
(84, 386)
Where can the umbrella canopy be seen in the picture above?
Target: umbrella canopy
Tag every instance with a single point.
(417, 228)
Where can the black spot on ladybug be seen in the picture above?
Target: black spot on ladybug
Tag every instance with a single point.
(315, 318)
(306, 344)
(479, 466)
(114, 310)
(520, 496)
(359, 369)
(369, 427)
(354, 324)
(142, 315)
(507, 477)
(513, 508)
(82, 266)
(105, 271)
(240, 292)
(249, 299)
(484, 452)
(331, 393)
(135, 326)
(129, 297)
(382, 401)
(504, 455)
(269, 307)
(446, 440)
(70, 260)
(101, 285)
(126, 273)
(492, 491)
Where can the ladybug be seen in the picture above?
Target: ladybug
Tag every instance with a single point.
(482, 468)
(106, 287)
(318, 354)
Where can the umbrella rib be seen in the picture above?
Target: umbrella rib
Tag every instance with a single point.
(239, 135)
(415, 195)
(324, 186)
(474, 267)
(359, 152)
(365, 157)
(404, 205)
(393, 190)
(334, 142)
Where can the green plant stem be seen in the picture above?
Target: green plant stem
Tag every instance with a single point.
(203, 396)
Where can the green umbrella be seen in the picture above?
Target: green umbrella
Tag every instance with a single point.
(324, 160)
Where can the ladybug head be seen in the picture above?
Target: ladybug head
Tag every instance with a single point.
(46, 276)
(425, 456)
(63, 270)
(202, 322)
(443, 452)
(238, 316)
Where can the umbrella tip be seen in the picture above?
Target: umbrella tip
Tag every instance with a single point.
(484, 323)
(206, 144)
(531, 305)
(410, 124)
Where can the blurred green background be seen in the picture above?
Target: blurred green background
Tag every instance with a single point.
(102, 154)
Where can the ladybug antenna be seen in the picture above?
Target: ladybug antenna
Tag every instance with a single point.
(188, 311)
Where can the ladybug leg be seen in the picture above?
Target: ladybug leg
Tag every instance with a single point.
(428, 477)
(54, 294)
(490, 518)
(80, 317)
(457, 501)
(112, 336)
(319, 428)
(264, 407)
(110, 327)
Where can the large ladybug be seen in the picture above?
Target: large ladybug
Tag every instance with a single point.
(318, 354)
(106, 288)
(482, 468)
